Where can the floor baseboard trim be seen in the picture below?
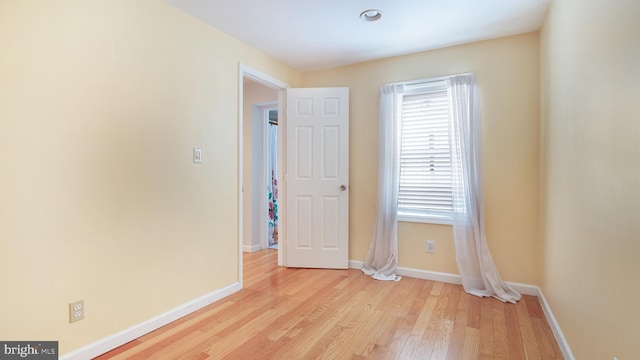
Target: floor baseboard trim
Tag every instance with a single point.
(524, 289)
(418, 274)
(109, 343)
(251, 248)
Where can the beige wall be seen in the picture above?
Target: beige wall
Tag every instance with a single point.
(254, 94)
(101, 103)
(508, 77)
(590, 60)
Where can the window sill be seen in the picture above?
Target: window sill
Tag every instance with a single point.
(425, 220)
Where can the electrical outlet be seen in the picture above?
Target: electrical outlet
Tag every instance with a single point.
(430, 247)
(76, 311)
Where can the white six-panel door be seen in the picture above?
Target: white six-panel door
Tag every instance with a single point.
(317, 178)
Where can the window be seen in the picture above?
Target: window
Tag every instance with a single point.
(425, 154)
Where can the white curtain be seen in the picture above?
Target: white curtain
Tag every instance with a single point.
(382, 259)
(272, 181)
(475, 264)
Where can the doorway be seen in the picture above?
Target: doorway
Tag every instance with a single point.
(317, 138)
(259, 98)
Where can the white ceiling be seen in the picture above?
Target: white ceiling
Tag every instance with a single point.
(316, 34)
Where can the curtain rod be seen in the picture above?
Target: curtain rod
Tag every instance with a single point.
(429, 80)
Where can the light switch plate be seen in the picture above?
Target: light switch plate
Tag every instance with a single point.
(197, 155)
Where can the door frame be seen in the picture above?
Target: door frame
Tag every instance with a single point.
(247, 72)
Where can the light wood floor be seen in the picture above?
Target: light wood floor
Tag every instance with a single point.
(343, 314)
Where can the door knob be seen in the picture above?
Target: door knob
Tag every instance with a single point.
(343, 187)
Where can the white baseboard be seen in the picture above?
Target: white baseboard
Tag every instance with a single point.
(521, 288)
(251, 248)
(102, 346)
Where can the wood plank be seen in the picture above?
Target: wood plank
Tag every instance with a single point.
(454, 301)
(547, 344)
(355, 329)
(227, 343)
(441, 338)
(546, 341)
(119, 350)
(514, 336)
(486, 328)
(424, 317)
(471, 343)
(294, 321)
(312, 331)
(533, 306)
(475, 305)
(526, 329)
(439, 329)
(500, 345)
(415, 348)
(459, 331)
(382, 337)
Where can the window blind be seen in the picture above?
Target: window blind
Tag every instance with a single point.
(425, 156)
